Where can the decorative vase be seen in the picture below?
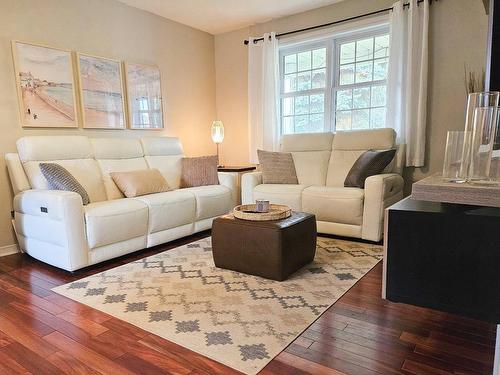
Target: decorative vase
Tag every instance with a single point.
(485, 149)
(453, 157)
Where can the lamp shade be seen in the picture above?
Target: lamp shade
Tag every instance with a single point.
(217, 131)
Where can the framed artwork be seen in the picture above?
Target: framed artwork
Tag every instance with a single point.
(101, 92)
(45, 86)
(144, 96)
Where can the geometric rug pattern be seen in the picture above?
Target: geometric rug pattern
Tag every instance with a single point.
(239, 320)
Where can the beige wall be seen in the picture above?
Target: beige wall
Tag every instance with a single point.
(108, 28)
(458, 31)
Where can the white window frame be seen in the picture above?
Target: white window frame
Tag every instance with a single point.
(330, 40)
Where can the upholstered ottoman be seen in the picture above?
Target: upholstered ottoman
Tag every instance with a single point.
(270, 249)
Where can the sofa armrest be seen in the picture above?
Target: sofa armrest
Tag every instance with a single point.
(248, 182)
(381, 191)
(230, 180)
(50, 225)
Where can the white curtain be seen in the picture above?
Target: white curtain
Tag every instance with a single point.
(407, 77)
(263, 90)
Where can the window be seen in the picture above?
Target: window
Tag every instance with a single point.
(335, 84)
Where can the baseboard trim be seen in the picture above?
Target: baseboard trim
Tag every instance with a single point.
(8, 250)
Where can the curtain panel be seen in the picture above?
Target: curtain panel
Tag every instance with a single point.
(263, 95)
(407, 77)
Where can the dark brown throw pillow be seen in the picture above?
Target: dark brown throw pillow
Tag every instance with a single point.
(199, 171)
(369, 163)
(277, 167)
(59, 178)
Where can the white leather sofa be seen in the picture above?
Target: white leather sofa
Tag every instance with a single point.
(322, 162)
(56, 228)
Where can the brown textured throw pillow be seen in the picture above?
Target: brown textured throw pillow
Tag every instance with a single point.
(369, 163)
(59, 178)
(199, 171)
(141, 182)
(277, 167)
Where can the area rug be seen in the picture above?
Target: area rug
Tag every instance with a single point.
(239, 320)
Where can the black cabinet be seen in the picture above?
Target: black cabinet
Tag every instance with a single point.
(444, 256)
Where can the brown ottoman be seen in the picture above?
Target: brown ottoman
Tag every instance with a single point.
(270, 249)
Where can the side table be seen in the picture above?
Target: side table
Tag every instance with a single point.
(240, 170)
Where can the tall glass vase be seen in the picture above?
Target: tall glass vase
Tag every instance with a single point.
(485, 151)
(475, 100)
(453, 156)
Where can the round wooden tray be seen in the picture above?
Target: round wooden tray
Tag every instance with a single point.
(276, 212)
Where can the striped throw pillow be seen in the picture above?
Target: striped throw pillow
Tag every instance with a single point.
(59, 178)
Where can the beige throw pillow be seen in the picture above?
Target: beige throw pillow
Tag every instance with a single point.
(277, 167)
(141, 182)
(199, 171)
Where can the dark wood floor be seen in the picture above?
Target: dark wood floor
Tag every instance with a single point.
(44, 333)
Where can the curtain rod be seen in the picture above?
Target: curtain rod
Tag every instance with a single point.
(407, 5)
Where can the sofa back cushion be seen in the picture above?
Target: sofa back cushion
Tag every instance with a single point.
(164, 154)
(347, 147)
(311, 153)
(74, 153)
(117, 155)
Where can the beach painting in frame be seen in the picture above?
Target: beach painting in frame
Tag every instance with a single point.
(144, 96)
(45, 86)
(101, 92)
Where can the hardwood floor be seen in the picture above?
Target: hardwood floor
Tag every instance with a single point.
(44, 333)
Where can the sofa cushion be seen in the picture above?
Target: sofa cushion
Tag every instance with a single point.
(287, 194)
(370, 163)
(141, 182)
(59, 178)
(115, 221)
(169, 210)
(74, 153)
(199, 171)
(311, 166)
(277, 167)
(164, 154)
(117, 155)
(348, 147)
(334, 204)
(211, 200)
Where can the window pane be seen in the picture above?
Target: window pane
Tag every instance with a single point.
(317, 103)
(361, 98)
(344, 99)
(378, 96)
(318, 78)
(290, 83)
(377, 118)
(304, 60)
(382, 46)
(287, 106)
(380, 69)
(290, 64)
(304, 81)
(361, 119)
(364, 49)
(347, 53)
(364, 72)
(301, 105)
(319, 58)
(301, 123)
(288, 125)
(347, 74)
(343, 120)
(316, 123)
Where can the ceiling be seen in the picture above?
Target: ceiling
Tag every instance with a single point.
(219, 16)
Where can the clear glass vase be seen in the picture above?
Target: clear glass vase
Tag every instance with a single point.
(475, 100)
(453, 157)
(485, 151)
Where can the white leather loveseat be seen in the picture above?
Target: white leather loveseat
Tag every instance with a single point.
(322, 162)
(56, 228)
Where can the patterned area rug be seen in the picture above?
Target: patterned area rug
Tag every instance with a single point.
(236, 319)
